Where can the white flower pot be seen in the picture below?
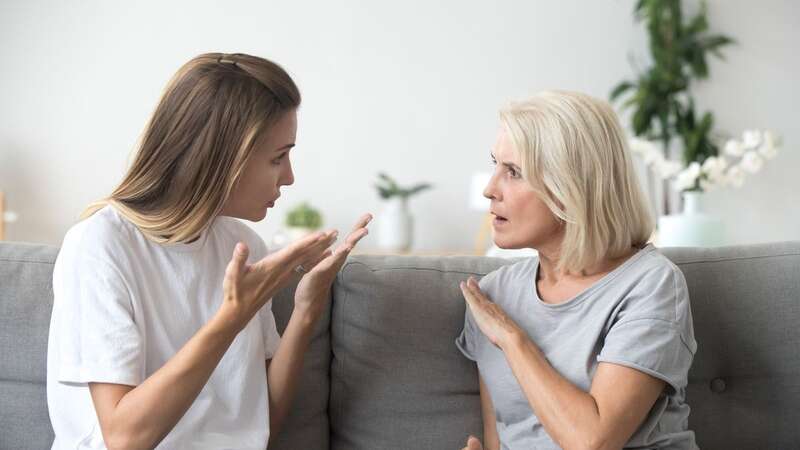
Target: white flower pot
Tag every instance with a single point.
(691, 228)
(395, 226)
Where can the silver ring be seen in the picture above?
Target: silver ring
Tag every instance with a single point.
(300, 269)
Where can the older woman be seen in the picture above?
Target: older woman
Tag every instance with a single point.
(589, 344)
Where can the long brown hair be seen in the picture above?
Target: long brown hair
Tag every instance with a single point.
(196, 144)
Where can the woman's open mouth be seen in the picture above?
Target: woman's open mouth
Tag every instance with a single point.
(499, 220)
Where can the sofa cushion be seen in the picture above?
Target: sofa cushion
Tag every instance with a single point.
(26, 299)
(398, 380)
(744, 384)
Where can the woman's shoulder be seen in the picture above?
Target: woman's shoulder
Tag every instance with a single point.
(100, 240)
(652, 264)
(657, 288)
(517, 271)
(103, 230)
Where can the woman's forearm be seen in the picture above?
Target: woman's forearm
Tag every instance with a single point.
(284, 370)
(568, 414)
(147, 413)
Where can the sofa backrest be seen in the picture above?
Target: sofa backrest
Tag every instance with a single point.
(744, 384)
(26, 299)
(397, 380)
(382, 370)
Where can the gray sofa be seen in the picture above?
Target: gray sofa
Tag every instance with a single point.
(383, 372)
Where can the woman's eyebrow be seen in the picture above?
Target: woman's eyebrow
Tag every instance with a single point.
(285, 147)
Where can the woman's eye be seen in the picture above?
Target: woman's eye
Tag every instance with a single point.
(277, 161)
(513, 173)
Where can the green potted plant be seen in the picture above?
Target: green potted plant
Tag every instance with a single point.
(663, 107)
(664, 115)
(302, 220)
(395, 224)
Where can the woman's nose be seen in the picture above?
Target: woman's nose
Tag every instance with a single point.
(288, 176)
(491, 191)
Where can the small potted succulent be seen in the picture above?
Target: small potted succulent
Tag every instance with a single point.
(395, 224)
(302, 220)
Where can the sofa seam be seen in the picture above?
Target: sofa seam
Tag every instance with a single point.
(735, 258)
(427, 269)
(26, 261)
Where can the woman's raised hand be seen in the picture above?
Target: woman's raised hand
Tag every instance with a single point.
(247, 287)
(490, 318)
(313, 289)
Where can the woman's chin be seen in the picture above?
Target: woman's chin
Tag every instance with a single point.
(255, 216)
(507, 244)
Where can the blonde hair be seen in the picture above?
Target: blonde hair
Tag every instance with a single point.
(575, 156)
(195, 146)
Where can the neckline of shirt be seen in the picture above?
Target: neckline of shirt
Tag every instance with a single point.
(578, 298)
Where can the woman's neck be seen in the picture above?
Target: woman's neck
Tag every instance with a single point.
(549, 274)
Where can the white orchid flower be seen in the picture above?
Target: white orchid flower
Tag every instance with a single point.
(714, 167)
(752, 162)
(751, 138)
(768, 148)
(687, 177)
(734, 148)
(638, 146)
(707, 185)
(735, 176)
(649, 152)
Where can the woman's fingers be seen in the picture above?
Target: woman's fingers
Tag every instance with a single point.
(362, 222)
(237, 263)
(311, 264)
(233, 271)
(356, 234)
(352, 239)
(478, 303)
(474, 444)
(475, 288)
(308, 248)
(469, 296)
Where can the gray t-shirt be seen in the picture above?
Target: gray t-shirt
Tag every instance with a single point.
(636, 316)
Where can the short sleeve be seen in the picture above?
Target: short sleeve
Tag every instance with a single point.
(467, 340)
(270, 331)
(656, 337)
(98, 339)
(652, 346)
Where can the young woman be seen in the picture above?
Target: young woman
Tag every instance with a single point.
(589, 344)
(162, 333)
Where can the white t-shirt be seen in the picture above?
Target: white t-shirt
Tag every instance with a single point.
(123, 306)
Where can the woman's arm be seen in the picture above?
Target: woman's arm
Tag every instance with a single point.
(283, 370)
(140, 417)
(490, 439)
(310, 302)
(603, 418)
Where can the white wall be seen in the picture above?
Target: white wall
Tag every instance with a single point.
(411, 88)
